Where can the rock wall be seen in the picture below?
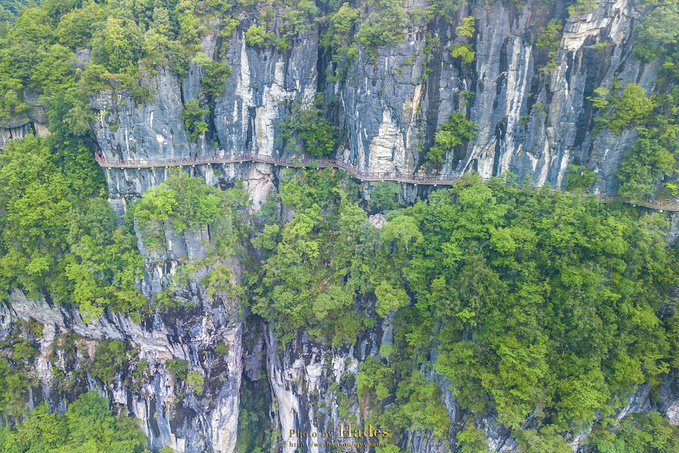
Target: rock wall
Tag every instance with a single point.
(533, 113)
(533, 119)
(171, 412)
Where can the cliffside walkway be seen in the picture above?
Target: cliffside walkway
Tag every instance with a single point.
(290, 163)
(430, 180)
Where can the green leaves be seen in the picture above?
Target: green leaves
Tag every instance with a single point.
(471, 440)
(633, 108)
(257, 37)
(550, 37)
(56, 237)
(454, 132)
(194, 119)
(579, 178)
(384, 27)
(642, 433)
(537, 299)
(88, 426)
(403, 230)
(657, 35)
(306, 126)
(196, 381)
(389, 299)
(464, 51)
(466, 28)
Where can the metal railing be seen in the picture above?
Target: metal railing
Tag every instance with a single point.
(277, 161)
(396, 176)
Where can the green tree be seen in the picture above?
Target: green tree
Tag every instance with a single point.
(657, 35)
(580, 178)
(305, 128)
(453, 133)
(257, 37)
(194, 119)
(464, 51)
(471, 440)
(87, 426)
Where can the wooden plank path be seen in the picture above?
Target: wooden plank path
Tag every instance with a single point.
(431, 180)
(293, 163)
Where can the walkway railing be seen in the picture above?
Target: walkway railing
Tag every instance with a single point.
(432, 180)
(294, 163)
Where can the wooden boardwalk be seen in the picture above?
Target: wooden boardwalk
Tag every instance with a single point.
(395, 176)
(290, 163)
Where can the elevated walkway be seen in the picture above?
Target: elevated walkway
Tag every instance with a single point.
(431, 180)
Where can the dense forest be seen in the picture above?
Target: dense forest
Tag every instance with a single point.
(545, 309)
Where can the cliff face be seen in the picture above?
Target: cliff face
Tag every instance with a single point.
(206, 339)
(533, 119)
(531, 107)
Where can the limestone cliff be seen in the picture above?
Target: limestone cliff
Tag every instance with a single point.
(532, 109)
(206, 339)
(534, 119)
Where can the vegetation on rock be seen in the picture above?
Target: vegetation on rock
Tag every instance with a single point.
(87, 426)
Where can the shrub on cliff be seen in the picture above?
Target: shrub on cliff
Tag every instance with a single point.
(541, 306)
(453, 133)
(305, 128)
(88, 425)
(58, 235)
(194, 119)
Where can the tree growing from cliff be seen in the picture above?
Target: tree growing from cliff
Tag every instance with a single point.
(464, 51)
(384, 26)
(657, 35)
(337, 38)
(87, 426)
(305, 128)
(453, 134)
(194, 119)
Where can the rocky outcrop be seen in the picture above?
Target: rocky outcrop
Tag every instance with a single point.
(531, 108)
(207, 338)
(33, 122)
(533, 119)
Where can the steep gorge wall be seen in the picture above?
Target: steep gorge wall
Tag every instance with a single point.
(171, 413)
(533, 114)
(389, 110)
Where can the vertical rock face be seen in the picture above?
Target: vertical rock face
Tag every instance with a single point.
(531, 108)
(125, 130)
(247, 117)
(207, 339)
(533, 117)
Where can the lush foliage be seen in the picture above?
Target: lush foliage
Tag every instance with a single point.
(305, 128)
(194, 119)
(650, 167)
(464, 51)
(58, 235)
(338, 39)
(543, 306)
(525, 287)
(652, 158)
(183, 204)
(314, 265)
(538, 307)
(188, 202)
(87, 426)
(109, 359)
(455, 132)
(549, 40)
(657, 36)
(384, 26)
(384, 196)
(642, 433)
(580, 177)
